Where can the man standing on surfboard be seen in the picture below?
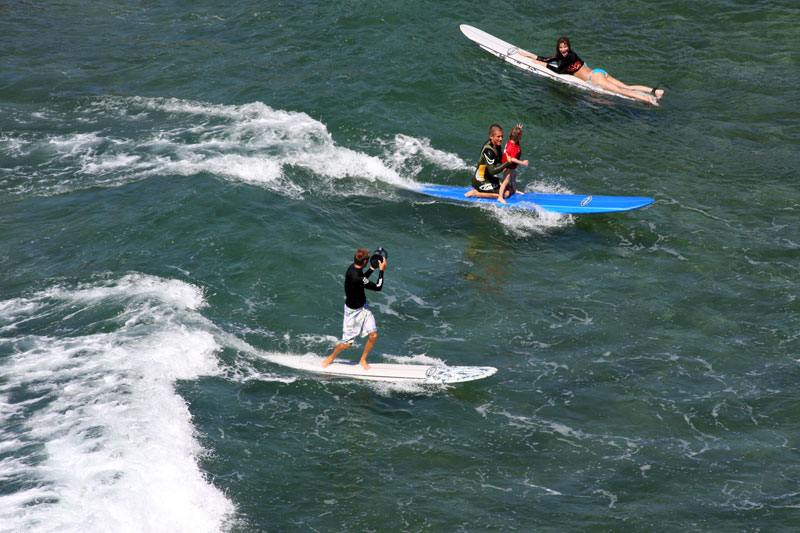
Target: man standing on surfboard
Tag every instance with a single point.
(358, 319)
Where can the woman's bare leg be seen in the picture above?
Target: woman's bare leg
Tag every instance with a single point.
(643, 88)
(602, 81)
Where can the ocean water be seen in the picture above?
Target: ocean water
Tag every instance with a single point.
(183, 185)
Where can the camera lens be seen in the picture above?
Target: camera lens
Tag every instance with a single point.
(375, 260)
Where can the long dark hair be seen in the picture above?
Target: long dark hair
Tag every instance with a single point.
(564, 40)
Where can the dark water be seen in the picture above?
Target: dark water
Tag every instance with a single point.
(183, 185)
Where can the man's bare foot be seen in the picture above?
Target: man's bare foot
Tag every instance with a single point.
(327, 361)
(365, 365)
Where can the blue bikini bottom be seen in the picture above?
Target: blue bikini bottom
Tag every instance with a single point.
(596, 71)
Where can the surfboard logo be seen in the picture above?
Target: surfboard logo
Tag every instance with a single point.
(586, 201)
(511, 51)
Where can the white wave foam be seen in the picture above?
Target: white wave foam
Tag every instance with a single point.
(410, 154)
(13, 146)
(521, 223)
(79, 143)
(253, 143)
(103, 442)
(417, 359)
(134, 286)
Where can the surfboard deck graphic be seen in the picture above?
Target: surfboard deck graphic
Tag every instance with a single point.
(507, 52)
(431, 374)
(560, 203)
(397, 372)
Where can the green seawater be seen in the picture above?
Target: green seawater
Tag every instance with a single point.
(183, 185)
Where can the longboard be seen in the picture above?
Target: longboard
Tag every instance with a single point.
(508, 53)
(432, 374)
(397, 372)
(532, 201)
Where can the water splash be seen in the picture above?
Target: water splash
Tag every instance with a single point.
(97, 437)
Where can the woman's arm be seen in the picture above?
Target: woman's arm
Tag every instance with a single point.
(539, 60)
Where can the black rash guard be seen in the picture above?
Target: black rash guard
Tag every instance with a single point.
(569, 64)
(355, 281)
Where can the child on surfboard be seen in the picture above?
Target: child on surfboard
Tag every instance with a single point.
(485, 183)
(512, 153)
(566, 61)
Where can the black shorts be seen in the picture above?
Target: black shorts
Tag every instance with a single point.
(491, 185)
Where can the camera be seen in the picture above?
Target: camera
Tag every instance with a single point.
(377, 255)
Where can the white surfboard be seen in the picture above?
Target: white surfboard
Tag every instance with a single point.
(508, 53)
(419, 373)
(433, 374)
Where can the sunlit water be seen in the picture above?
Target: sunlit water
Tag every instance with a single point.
(183, 188)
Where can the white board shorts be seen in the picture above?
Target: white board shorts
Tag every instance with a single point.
(357, 322)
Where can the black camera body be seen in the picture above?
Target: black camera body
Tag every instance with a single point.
(377, 255)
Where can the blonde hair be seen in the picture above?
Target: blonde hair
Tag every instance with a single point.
(516, 133)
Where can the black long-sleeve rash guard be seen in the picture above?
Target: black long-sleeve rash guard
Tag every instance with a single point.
(355, 281)
(569, 64)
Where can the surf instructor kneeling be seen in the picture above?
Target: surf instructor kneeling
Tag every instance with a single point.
(358, 319)
(485, 183)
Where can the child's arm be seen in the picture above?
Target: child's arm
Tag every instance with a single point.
(510, 159)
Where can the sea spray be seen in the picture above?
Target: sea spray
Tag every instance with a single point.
(98, 438)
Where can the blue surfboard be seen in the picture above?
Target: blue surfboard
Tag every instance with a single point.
(532, 201)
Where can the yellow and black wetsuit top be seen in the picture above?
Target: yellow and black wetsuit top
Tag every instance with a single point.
(489, 164)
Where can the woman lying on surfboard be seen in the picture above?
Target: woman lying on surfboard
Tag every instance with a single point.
(566, 61)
